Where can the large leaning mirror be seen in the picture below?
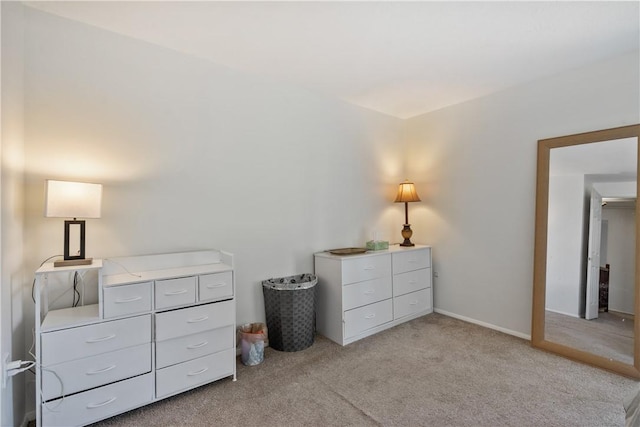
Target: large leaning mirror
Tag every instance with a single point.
(586, 275)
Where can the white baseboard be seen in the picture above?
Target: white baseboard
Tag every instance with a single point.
(28, 417)
(484, 324)
(564, 313)
(620, 312)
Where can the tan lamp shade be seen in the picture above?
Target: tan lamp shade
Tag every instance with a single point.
(65, 199)
(407, 193)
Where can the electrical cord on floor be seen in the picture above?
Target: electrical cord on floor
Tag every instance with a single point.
(33, 284)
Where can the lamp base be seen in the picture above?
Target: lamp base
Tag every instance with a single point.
(407, 233)
(73, 262)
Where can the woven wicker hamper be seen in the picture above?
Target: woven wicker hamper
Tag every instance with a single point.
(289, 304)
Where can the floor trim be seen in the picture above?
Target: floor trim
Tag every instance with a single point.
(484, 324)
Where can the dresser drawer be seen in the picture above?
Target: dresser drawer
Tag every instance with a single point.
(414, 302)
(187, 321)
(411, 260)
(367, 292)
(85, 341)
(176, 350)
(175, 292)
(365, 268)
(90, 372)
(127, 299)
(196, 372)
(411, 281)
(215, 286)
(360, 319)
(99, 403)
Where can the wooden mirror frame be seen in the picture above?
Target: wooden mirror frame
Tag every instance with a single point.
(540, 254)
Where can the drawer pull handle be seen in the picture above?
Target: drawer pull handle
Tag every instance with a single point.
(370, 268)
(179, 292)
(370, 316)
(369, 292)
(98, 405)
(94, 340)
(414, 302)
(412, 282)
(126, 300)
(201, 371)
(219, 285)
(100, 371)
(199, 319)
(412, 261)
(202, 344)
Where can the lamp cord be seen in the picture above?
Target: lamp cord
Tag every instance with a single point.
(33, 284)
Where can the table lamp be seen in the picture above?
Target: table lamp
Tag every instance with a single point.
(65, 199)
(407, 193)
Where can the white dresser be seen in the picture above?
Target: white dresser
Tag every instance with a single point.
(163, 324)
(360, 295)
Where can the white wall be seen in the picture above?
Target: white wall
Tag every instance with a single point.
(12, 329)
(565, 244)
(475, 167)
(621, 257)
(194, 155)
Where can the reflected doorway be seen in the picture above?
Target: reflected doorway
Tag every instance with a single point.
(617, 256)
(610, 332)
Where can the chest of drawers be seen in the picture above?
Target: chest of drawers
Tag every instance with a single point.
(360, 295)
(163, 324)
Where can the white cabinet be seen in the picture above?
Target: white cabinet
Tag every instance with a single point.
(175, 292)
(360, 295)
(162, 324)
(176, 350)
(98, 403)
(360, 320)
(177, 323)
(195, 372)
(412, 290)
(215, 286)
(127, 299)
(83, 341)
(93, 371)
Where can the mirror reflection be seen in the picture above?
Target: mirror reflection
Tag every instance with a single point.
(590, 257)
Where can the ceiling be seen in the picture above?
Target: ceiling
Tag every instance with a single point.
(615, 157)
(399, 58)
(610, 166)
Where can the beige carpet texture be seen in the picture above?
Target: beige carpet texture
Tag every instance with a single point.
(610, 335)
(432, 371)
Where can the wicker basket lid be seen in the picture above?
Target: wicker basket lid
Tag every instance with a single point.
(299, 281)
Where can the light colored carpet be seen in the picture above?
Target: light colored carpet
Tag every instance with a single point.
(610, 335)
(433, 371)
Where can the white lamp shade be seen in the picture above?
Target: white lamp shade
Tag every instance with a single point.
(65, 199)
